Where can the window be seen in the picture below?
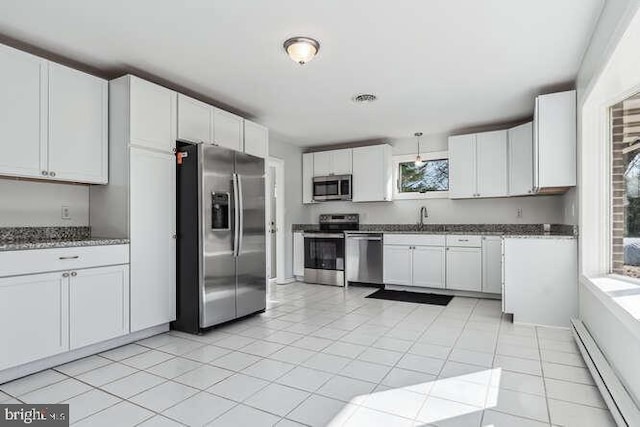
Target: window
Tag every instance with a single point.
(429, 180)
(625, 187)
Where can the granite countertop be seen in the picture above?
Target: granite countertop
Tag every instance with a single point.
(24, 238)
(523, 231)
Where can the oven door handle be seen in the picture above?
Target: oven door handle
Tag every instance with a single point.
(323, 235)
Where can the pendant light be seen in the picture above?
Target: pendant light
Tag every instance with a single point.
(301, 49)
(418, 161)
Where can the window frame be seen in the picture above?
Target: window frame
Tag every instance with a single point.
(433, 155)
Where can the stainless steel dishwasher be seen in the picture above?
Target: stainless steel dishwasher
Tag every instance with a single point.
(364, 257)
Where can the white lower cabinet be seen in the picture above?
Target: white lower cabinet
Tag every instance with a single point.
(34, 316)
(428, 266)
(298, 254)
(492, 264)
(464, 269)
(98, 304)
(397, 265)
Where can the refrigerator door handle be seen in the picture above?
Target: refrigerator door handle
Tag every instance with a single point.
(240, 213)
(236, 216)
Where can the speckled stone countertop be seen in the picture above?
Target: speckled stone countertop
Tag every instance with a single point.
(506, 230)
(22, 238)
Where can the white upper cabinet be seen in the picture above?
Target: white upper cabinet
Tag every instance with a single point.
(491, 163)
(54, 120)
(78, 116)
(462, 166)
(554, 142)
(322, 163)
(307, 177)
(521, 160)
(478, 165)
(256, 139)
(334, 162)
(372, 174)
(152, 115)
(23, 115)
(228, 130)
(195, 120)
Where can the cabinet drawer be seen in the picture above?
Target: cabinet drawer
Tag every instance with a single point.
(13, 263)
(464, 241)
(414, 239)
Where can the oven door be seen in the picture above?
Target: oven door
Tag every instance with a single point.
(335, 187)
(324, 258)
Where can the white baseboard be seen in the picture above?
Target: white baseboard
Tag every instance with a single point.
(69, 356)
(286, 281)
(620, 403)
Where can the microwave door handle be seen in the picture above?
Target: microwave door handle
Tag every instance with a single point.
(240, 213)
(236, 214)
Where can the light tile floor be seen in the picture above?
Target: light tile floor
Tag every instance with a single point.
(327, 356)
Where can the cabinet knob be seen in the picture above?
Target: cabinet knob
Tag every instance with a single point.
(74, 274)
(174, 149)
(45, 173)
(174, 236)
(52, 174)
(65, 274)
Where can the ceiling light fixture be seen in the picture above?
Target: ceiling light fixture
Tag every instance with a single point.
(418, 161)
(301, 49)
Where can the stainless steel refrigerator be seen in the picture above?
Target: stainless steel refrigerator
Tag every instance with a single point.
(221, 271)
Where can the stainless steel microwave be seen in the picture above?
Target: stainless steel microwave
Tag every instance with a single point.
(333, 187)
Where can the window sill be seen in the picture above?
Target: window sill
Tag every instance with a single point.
(621, 295)
(421, 196)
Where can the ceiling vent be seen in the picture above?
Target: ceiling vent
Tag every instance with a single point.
(364, 98)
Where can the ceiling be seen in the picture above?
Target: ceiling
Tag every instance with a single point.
(437, 66)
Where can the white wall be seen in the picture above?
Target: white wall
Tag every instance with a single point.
(32, 203)
(295, 212)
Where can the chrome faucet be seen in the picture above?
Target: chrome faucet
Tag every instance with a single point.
(423, 214)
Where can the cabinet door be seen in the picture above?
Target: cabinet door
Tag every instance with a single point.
(555, 139)
(23, 114)
(256, 139)
(492, 264)
(152, 230)
(227, 129)
(322, 163)
(153, 115)
(397, 265)
(521, 160)
(78, 146)
(98, 305)
(298, 254)
(429, 266)
(372, 174)
(307, 177)
(34, 313)
(462, 166)
(194, 120)
(342, 161)
(464, 269)
(491, 163)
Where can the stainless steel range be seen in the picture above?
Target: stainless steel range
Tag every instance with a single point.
(324, 249)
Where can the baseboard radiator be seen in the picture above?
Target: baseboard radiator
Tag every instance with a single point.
(622, 406)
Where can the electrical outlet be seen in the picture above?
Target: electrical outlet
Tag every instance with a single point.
(519, 213)
(66, 212)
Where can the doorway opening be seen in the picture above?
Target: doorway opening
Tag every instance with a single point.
(275, 220)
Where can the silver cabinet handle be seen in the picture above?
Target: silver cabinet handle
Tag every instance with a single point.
(463, 240)
(174, 236)
(69, 257)
(74, 274)
(52, 174)
(65, 274)
(45, 173)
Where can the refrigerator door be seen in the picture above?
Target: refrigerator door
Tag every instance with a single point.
(218, 219)
(251, 261)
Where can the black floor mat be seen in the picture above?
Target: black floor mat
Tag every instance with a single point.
(417, 297)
